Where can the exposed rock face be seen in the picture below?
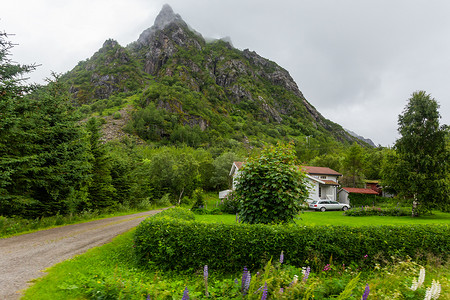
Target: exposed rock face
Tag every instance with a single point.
(237, 80)
(159, 43)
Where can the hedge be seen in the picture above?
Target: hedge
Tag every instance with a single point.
(177, 244)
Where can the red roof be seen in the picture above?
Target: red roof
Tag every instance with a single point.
(238, 164)
(320, 171)
(360, 191)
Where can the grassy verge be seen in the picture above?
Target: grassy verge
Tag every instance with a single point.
(109, 272)
(313, 218)
(16, 226)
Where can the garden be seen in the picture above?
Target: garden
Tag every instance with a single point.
(214, 257)
(269, 249)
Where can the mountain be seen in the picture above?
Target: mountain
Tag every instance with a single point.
(368, 141)
(184, 89)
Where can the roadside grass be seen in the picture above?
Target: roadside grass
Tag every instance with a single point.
(315, 218)
(110, 272)
(12, 226)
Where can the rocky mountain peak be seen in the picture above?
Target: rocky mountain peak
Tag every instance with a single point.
(165, 17)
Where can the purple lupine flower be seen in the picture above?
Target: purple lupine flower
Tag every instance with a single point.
(236, 281)
(205, 277)
(185, 294)
(281, 257)
(264, 294)
(247, 283)
(244, 278)
(366, 292)
(148, 297)
(306, 274)
(205, 272)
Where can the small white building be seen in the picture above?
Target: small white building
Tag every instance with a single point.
(322, 182)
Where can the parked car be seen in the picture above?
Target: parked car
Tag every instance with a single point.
(324, 205)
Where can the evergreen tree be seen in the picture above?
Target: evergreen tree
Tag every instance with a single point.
(101, 190)
(424, 155)
(43, 151)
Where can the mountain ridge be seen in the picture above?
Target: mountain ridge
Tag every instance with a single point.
(188, 81)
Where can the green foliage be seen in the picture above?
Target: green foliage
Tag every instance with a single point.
(368, 200)
(171, 243)
(101, 190)
(377, 211)
(197, 197)
(44, 157)
(270, 187)
(177, 213)
(230, 204)
(220, 177)
(419, 169)
(353, 165)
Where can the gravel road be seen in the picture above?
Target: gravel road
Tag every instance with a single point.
(24, 257)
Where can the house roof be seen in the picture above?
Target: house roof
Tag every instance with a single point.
(359, 191)
(330, 182)
(239, 164)
(320, 171)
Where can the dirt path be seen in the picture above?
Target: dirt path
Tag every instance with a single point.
(23, 257)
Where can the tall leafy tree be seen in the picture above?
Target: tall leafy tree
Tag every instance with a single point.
(423, 156)
(353, 164)
(271, 187)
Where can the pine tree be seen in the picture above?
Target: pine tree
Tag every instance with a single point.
(43, 150)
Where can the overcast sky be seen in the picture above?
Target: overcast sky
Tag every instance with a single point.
(356, 61)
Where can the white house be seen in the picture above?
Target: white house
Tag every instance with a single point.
(322, 182)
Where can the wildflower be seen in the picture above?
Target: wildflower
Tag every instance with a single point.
(327, 268)
(306, 272)
(295, 280)
(244, 278)
(205, 277)
(434, 291)
(417, 283)
(247, 283)
(264, 294)
(366, 292)
(281, 257)
(281, 290)
(148, 297)
(185, 294)
(365, 256)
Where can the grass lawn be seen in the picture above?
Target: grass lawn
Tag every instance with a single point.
(314, 218)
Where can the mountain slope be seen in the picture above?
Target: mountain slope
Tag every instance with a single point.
(189, 91)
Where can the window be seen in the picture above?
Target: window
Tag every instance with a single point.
(320, 191)
(323, 177)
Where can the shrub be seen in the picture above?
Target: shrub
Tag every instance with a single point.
(271, 187)
(377, 211)
(179, 244)
(117, 115)
(177, 213)
(230, 204)
(368, 200)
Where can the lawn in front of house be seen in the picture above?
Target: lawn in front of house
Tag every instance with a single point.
(315, 218)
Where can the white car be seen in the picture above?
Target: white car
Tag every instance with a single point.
(324, 205)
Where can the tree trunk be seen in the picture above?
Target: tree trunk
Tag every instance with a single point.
(415, 204)
(181, 195)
